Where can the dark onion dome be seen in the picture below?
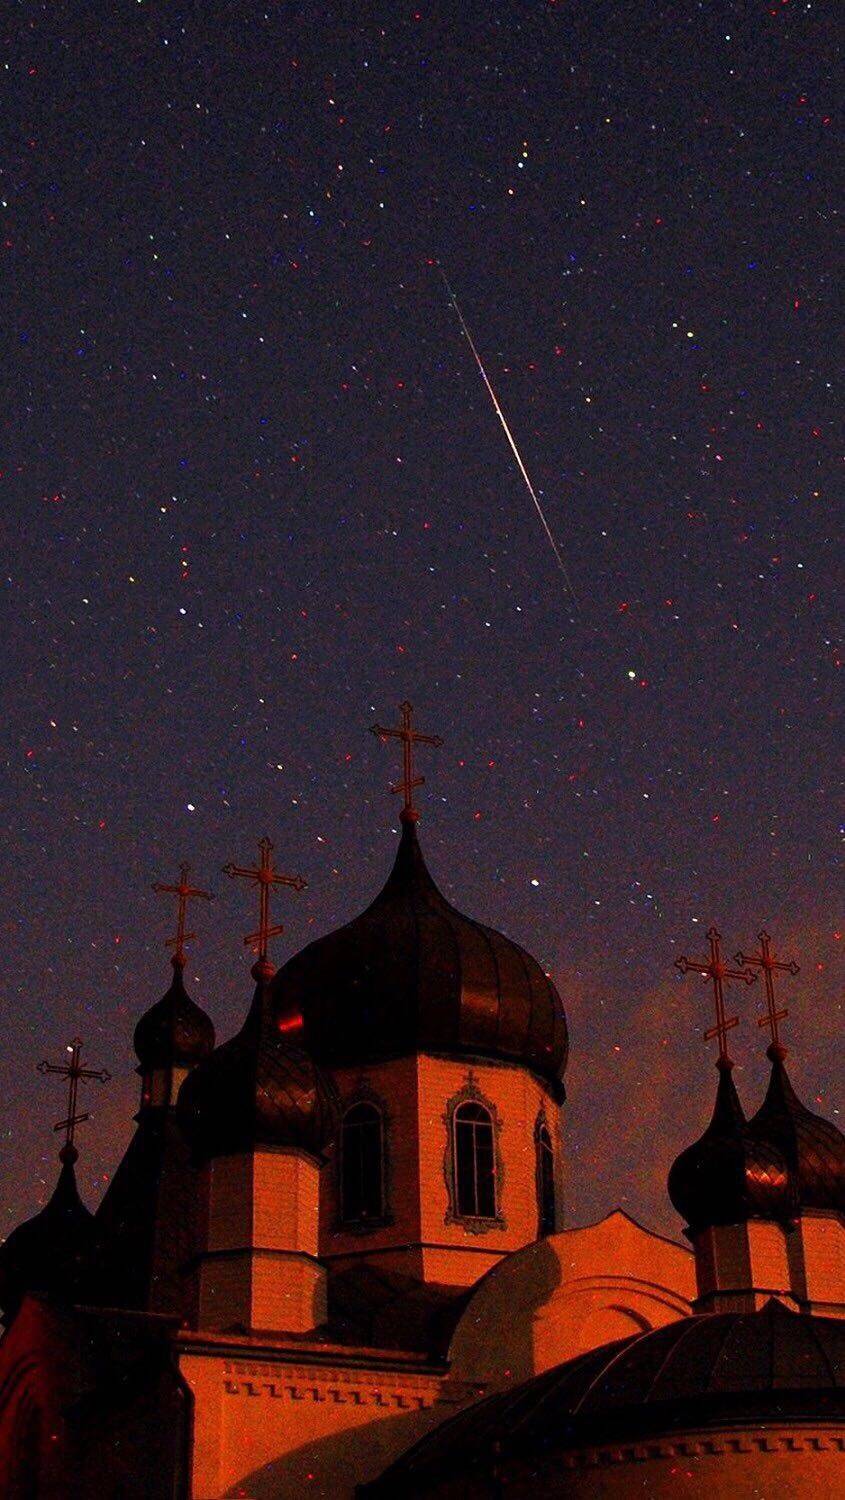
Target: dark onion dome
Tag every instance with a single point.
(173, 1032)
(49, 1254)
(732, 1172)
(261, 1088)
(813, 1147)
(705, 1372)
(413, 974)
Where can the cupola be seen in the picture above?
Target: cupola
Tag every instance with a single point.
(813, 1147)
(259, 1089)
(734, 1186)
(731, 1173)
(49, 1254)
(52, 1254)
(171, 1037)
(174, 1034)
(412, 974)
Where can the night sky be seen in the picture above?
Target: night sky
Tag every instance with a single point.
(254, 493)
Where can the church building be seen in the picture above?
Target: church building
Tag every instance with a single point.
(335, 1259)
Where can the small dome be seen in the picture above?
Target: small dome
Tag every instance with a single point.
(812, 1146)
(50, 1253)
(702, 1373)
(732, 1172)
(174, 1031)
(413, 974)
(258, 1089)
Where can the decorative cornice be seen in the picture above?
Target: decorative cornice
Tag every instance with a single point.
(699, 1445)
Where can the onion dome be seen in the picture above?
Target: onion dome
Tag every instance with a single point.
(733, 1172)
(50, 1253)
(258, 1089)
(174, 1032)
(812, 1146)
(705, 1373)
(413, 974)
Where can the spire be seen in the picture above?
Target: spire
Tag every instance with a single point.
(716, 970)
(766, 961)
(265, 876)
(73, 1071)
(813, 1146)
(175, 1033)
(49, 1254)
(408, 737)
(729, 1174)
(185, 893)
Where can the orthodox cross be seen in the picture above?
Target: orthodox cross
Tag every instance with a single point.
(72, 1070)
(409, 737)
(766, 961)
(186, 893)
(265, 876)
(717, 970)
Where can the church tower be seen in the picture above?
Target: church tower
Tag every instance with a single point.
(149, 1208)
(258, 1114)
(763, 1199)
(447, 1043)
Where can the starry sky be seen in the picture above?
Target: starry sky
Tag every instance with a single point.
(254, 493)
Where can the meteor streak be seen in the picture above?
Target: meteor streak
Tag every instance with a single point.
(508, 434)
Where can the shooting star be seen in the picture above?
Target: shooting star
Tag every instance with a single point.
(509, 435)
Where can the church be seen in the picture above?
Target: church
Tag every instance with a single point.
(334, 1260)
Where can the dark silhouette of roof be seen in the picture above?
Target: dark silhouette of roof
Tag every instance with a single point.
(49, 1254)
(413, 974)
(380, 1309)
(149, 1216)
(813, 1147)
(710, 1370)
(258, 1089)
(733, 1172)
(174, 1031)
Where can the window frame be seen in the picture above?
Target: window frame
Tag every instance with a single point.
(545, 1156)
(361, 1224)
(474, 1223)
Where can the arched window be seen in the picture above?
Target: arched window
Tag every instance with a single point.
(474, 1162)
(362, 1164)
(545, 1180)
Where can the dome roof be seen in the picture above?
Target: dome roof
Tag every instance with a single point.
(49, 1253)
(258, 1089)
(411, 973)
(174, 1030)
(704, 1371)
(733, 1172)
(813, 1147)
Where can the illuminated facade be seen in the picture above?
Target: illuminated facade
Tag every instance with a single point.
(344, 1225)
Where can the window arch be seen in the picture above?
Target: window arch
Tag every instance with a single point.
(362, 1164)
(474, 1159)
(545, 1180)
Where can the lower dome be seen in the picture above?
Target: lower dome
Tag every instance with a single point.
(703, 1373)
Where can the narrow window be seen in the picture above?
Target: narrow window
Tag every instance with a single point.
(362, 1164)
(545, 1181)
(475, 1162)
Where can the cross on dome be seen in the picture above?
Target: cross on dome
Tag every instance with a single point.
(264, 876)
(408, 737)
(766, 961)
(185, 892)
(717, 971)
(72, 1070)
